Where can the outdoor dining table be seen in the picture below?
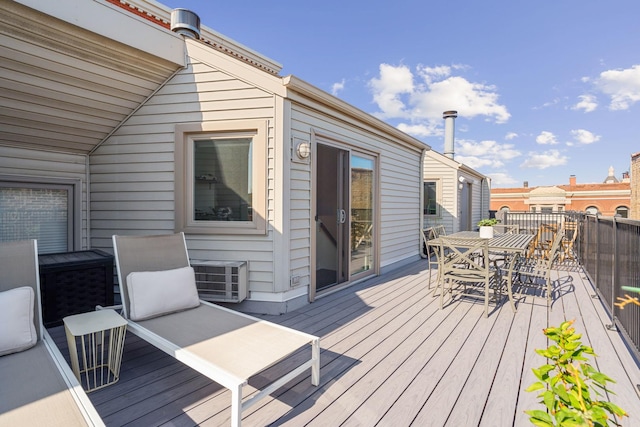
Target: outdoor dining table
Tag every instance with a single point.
(505, 246)
(509, 243)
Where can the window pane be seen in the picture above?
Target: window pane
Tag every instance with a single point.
(430, 203)
(222, 172)
(35, 213)
(622, 211)
(362, 208)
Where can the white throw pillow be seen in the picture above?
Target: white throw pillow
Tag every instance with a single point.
(17, 331)
(154, 293)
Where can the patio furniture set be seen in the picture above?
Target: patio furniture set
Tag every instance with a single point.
(472, 266)
(161, 305)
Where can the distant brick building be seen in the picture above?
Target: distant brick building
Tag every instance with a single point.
(612, 197)
(635, 186)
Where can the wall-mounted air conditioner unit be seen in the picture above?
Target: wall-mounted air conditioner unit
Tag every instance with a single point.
(221, 281)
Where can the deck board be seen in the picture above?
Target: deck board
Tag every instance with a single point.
(389, 356)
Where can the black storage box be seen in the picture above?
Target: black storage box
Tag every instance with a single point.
(73, 283)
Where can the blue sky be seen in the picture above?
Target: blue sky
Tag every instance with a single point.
(543, 90)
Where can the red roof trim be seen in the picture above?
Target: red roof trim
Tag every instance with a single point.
(141, 13)
(165, 24)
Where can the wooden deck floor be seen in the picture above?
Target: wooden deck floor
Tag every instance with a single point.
(390, 357)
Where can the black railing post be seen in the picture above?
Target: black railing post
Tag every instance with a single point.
(597, 253)
(614, 272)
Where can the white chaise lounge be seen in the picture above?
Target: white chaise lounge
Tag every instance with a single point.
(161, 303)
(37, 387)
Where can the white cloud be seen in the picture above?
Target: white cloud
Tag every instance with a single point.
(397, 96)
(429, 74)
(546, 138)
(584, 136)
(501, 179)
(477, 162)
(510, 136)
(484, 153)
(387, 89)
(420, 130)
(544, 160)
(548, 104)
(337, 87)
(587, 103)
(623, 86)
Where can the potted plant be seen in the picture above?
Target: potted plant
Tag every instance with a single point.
(486, 227)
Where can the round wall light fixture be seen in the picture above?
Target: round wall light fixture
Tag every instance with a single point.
(303, 150)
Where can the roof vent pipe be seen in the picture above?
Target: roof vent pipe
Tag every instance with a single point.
(449, 117)
(185, 22)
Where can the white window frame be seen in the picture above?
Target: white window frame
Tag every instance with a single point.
(185, 135)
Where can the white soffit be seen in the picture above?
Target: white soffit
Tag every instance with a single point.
(116, 24)
(66, 88)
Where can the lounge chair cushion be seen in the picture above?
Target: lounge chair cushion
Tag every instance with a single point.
(154, 293)
(17, 330)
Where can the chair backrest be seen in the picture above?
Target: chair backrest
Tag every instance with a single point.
(19, 267)
(427, 234)
(439, 230)
(468, 256)
(507, 228)
(570, 231)
(147, 253)
(554, 250)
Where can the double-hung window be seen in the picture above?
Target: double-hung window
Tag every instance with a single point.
(221, 178)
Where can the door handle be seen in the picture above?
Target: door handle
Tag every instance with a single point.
(342, 216)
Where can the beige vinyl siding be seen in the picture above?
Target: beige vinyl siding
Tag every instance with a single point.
(437, 170)
(399, 186)
(47, 167)
(133, 172)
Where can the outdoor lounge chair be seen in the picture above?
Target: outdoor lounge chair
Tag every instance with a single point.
(161, 304)
(37, 387)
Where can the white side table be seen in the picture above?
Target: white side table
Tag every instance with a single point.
(97, 339)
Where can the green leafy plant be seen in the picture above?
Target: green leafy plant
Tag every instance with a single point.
(570, 387)
(487, 222)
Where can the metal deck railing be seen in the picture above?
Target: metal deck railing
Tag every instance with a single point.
(608, 248)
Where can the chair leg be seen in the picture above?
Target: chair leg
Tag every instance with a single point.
(442, 282)
(236, 406)
(486, 298)
(315, 367)
(510, 292)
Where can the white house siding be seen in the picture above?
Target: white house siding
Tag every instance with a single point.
(399, 186)
(133, 172)
(47, 167)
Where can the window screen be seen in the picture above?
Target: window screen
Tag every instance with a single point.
(35, 213)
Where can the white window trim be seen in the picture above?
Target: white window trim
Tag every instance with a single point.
(184, 180)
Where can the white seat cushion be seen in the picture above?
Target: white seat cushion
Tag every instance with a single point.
(17, 330)
(154, 293)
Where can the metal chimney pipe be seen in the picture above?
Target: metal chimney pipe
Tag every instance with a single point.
(185, 22)
(449, 118)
